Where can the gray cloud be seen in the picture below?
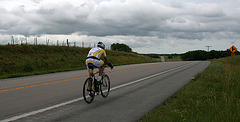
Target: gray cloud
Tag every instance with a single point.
(131, 18)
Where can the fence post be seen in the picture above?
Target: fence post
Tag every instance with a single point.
(35, 41)
(12, 40)
(67, 43)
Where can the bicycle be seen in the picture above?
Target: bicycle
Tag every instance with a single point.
(91, 82)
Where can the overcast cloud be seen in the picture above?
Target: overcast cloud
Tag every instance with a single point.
(148, 26)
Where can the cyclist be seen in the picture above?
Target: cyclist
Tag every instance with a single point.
(93, 60)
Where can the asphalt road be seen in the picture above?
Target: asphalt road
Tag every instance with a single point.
(135, 90)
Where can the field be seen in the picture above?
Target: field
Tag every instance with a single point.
(173, 58)
(23, 60)
(213, 95)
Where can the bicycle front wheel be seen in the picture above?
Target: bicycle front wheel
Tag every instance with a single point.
(105, 86)
(88, 93)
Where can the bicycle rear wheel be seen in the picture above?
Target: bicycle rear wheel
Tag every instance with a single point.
(105, 85)
(88, 95)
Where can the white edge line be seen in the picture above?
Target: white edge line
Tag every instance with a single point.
(81, 98)
(41, 110)
(136, 81)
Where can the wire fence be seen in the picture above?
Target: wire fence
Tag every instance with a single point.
(66, 42)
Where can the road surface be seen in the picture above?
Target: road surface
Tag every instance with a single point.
(135, 90)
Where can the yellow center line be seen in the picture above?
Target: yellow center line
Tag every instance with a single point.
(34, 85)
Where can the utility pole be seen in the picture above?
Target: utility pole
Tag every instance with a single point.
(208, 47)
(208, 51)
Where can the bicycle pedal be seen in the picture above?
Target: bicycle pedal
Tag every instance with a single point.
(91, 94)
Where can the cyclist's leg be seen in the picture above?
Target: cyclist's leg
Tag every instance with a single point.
(101, 70)
(101, 66)
(90, 72)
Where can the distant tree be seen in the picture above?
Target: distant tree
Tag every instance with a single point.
(120, 47)
(170, 56)
(195, 55)
(214, 54)
(203, 55)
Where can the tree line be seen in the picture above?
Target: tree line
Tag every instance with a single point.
(121, 47)
(197, 55)
(204, 55)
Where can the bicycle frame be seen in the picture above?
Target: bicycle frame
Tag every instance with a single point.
(103, 87)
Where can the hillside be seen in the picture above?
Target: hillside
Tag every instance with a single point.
(22, 60)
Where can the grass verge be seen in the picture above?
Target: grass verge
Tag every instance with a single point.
(214, 95)
(24, 60)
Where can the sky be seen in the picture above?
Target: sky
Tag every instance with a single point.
(147, 26)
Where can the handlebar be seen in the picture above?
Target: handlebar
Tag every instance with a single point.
(109, 64)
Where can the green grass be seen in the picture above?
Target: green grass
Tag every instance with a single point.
(23, 60)
(174, 58)
(214, 95)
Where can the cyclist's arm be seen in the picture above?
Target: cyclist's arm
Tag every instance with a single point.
(106, 59)
(108, 62)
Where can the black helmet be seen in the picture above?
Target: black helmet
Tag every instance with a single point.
(100, 44)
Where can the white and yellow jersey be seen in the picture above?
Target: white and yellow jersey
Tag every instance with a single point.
(97, 52)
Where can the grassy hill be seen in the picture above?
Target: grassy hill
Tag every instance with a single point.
(22, 60)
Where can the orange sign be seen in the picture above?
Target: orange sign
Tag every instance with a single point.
(233, 49)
